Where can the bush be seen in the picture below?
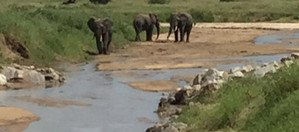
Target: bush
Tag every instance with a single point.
(201, 16)
(158, 1)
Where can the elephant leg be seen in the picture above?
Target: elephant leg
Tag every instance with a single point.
(109, 41)
(149, 34)
(176, 35)
(182, 34)
(188, 34)
(99, 44)
(137, 38)
(105, 40)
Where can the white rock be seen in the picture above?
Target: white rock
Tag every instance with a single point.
(9, 72)
(187, 87)
(197, 79)
(260, 72)
(19, 74)
(288, 62)
(247, 68)
(197, 87)
(237, 74)
(236, 69)
(34, 77)
(3, 79)
(295, 55)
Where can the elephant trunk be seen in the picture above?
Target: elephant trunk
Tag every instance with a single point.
(169, 32)
(158, 30)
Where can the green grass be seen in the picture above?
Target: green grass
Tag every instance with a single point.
(263, 104)
(52, 31)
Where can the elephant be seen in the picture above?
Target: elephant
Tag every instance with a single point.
(146, 22)
(180, 22)
(100, 1)
(69, 2)
(102, 30)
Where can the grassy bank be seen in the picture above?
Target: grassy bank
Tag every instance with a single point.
(270, 103)
(52, 31)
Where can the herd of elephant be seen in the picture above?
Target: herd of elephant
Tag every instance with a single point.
(179, 23)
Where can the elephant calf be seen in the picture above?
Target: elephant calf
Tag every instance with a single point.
(146, 22)
(102, 30)
(180, 22)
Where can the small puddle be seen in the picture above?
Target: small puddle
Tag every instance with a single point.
(289, 38)
(111, 105)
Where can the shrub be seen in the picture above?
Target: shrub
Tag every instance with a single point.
(158, 1)
(201, 16)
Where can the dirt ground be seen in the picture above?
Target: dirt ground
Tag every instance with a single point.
(15, 119)
(209, 44)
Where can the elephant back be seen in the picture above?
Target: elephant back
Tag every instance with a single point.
(186, 17)
(143, 19)
(107, 23)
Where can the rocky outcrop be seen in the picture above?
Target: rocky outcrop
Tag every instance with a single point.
(45, 77)
(168, 127)
(208, 82)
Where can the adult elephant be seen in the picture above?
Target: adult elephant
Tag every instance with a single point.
(100, 1)
(180, 22)
(146, 22)
(102, 30)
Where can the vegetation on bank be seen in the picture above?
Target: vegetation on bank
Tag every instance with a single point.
(270, 103)
(52, 31)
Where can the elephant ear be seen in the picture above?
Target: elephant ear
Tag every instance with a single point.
(92, 24)
(108, 24)
(153, 17)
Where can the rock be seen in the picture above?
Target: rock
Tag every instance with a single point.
(156, 128)
(12, 73)
(34, 77)
(285, 59)
(188, 87)
(287, 62)
(181, 97)
(247, 68)
(170, 128)
(197, 87)
(295, 55)
(213, 79)
(236, 69)
(180, 126)
(17, 66)
(3, 79)
(237, 74)
(260, 72)
(274, 63)
(19, 74)
(197, 80)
